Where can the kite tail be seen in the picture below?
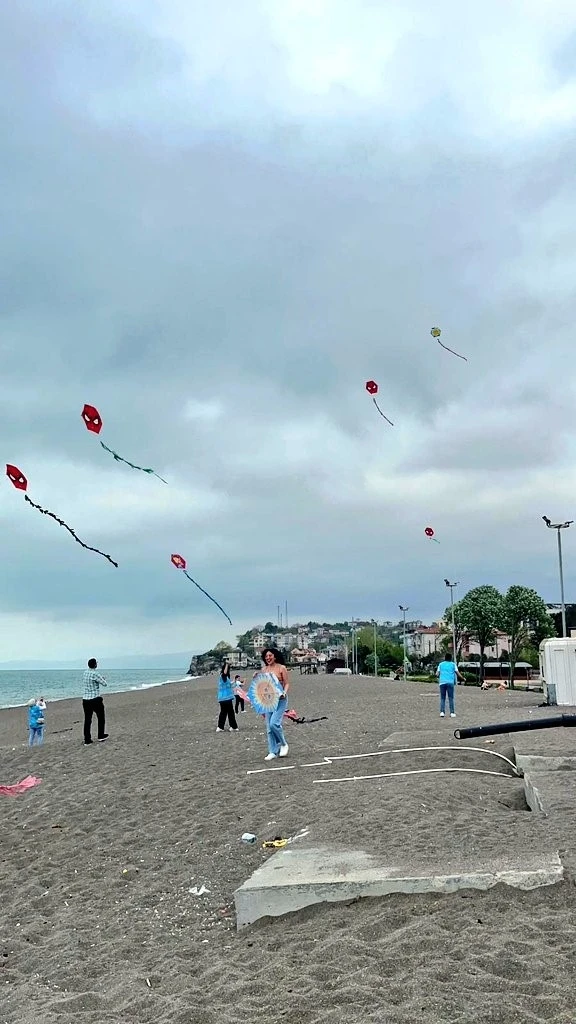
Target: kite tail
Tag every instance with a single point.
(209, 596)
(131, 464)
(381, 413)
(70, 530)
(451, 350)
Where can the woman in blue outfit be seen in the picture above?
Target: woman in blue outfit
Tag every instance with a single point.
(447, 673)
(277, 746)
(226, 700)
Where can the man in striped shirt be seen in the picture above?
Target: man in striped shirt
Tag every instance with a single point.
(92, 702)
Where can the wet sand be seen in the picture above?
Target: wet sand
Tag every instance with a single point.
(97, 865)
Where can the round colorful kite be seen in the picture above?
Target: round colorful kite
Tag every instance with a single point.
(430, 534)
(180, 563)
(264, 693)
(21, 484)
(94, 424)
(372, 389)
(436, 332)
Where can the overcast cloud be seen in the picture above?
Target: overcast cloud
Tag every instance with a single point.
(218, 221)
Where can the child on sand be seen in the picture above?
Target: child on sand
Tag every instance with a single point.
(238, 691)
(35, 723)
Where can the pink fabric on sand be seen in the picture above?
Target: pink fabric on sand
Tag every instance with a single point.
(20, 787)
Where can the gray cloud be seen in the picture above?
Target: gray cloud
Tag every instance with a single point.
(217, 236)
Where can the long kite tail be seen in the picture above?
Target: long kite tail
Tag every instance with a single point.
(381, 413)
(132, 464)
(451, 350)
(70, 530)
(209, 596)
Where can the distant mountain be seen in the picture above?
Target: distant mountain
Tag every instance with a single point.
(178, 662)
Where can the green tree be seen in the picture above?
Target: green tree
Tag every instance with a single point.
(480, 612)
(388, 655)
(525, 620)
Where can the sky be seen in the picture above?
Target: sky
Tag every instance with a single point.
(218, 222)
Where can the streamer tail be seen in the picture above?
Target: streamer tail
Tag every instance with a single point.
(209, 596)
(381, 413)
(451, 350)
(70, 530)
(132, 465)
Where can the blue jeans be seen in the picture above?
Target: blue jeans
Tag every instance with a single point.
(276, 738)
(36, 736)
(447, 690)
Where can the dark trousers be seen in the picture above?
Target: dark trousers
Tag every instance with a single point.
(227, 712)
(239, 704)
(91, 707)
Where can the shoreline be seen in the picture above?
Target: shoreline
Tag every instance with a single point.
(109, 691)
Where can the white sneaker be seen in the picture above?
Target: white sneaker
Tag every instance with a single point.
(234, 730)
(219, 730)
(441, 714)
(283, 751)
(243, 712)
(270, 757)
(452, 714)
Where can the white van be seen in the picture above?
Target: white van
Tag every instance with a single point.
(342, 672)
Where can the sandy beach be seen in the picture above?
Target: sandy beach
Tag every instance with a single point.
(97, 865)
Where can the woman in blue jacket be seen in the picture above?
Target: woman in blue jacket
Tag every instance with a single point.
(226, 700)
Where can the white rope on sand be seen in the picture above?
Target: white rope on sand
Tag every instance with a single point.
(411, 750)
(399, 750)
(418, 771)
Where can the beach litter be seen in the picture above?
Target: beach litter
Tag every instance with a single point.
(199, 890)
(249, 837)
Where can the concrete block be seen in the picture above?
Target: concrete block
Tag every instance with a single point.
(294, 879)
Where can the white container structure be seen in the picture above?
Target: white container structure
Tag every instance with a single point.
(558, 670)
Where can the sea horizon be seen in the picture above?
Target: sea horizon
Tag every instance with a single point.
(17, 687)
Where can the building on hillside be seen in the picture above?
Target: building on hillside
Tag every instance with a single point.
(238, 659)
(423, 640)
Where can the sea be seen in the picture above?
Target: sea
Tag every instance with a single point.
(17, 688)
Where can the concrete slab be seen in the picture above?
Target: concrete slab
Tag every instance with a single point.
(551, 792)
(294, 879)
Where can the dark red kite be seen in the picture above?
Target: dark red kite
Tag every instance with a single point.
(21, 484)
(430, 534)
(372, 389)
(94, 424)
(180, 563)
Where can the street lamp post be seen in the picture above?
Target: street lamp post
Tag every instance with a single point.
(558, 527)
(375, 655)
(454, 651)
(403, 610)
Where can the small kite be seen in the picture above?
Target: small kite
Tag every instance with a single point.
(430, 534)
(264, 693)
(21, 484)
(94, 424)
(180, 563)
(372, 389)
(436, 332)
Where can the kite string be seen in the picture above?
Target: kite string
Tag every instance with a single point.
(119, 458)
(381, 413)
(70, 530)
(226, 616)
(451, 350)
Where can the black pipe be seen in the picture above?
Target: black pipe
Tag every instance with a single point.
(504, 727)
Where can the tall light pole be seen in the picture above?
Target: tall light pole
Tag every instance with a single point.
(454, 651)
(375, 655)
(403, 610)
(558, 527)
